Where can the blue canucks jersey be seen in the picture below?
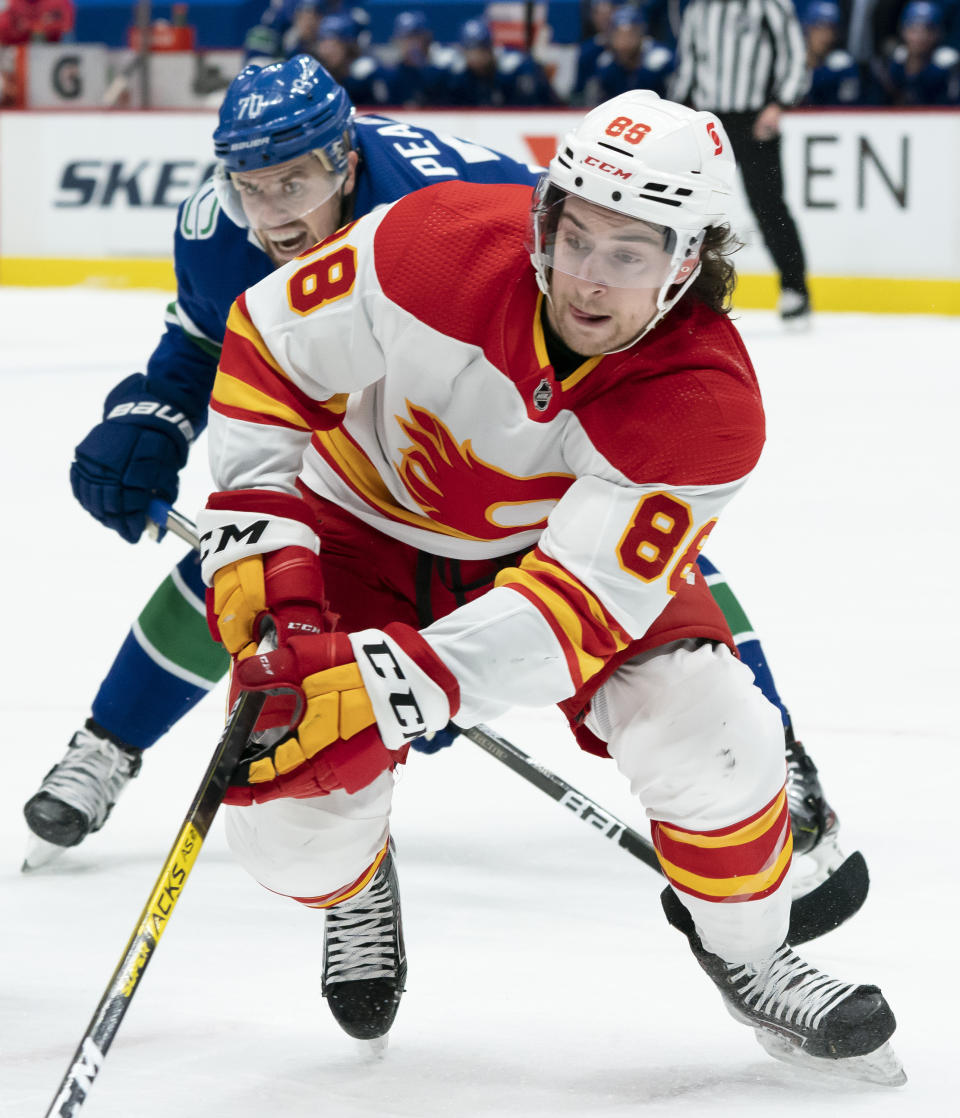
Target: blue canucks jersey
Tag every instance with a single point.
(938, 83)
(516, 80)
(611, 78)
(215, 260)
(836, 81)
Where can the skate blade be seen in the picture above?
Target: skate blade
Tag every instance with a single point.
(882, 1066)
(40, 853)
(375, 1049)
(810, 871)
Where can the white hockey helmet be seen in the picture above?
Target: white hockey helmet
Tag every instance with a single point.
(648, 160)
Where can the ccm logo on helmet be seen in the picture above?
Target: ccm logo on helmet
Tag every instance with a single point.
(607, 168)
(712, 133)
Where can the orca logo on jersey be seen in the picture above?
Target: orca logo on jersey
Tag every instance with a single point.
(406, 709)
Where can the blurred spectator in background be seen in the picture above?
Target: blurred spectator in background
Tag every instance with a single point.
(301, 36)
(35, 21)
(337, 45)
(632, 60)
(746, 62)
(869, 30)
(594, 42)
(835, 77)
(482, 74)
(265, 40)
(418, 76)
(285, 22)
(923, 70)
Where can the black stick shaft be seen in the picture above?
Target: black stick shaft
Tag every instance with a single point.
(558, 789)
(814, 914)
(156, 914)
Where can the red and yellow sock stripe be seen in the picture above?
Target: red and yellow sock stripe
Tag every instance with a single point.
(743, 862)
(328, 900)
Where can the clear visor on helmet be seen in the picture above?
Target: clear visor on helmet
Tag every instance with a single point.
(603, 246)
(271, 197)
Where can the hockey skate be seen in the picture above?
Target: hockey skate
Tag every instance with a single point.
(813, 822)
(799, 1014)
(364, 963)
(794, 308)
(77, 794)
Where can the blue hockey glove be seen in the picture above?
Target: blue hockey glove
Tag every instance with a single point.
(135, 454)
(437, 741)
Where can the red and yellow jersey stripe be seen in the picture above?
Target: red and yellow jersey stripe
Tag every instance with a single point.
(250, 384)
(587, 633)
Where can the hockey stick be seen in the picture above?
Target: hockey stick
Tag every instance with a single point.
(824, 908)
(156, 914)
(820, 911)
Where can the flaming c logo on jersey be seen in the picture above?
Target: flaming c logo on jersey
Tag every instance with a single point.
(456, 488)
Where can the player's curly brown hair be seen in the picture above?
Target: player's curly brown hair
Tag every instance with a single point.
(718, 275)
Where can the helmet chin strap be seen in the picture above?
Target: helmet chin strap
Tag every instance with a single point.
(662, 307)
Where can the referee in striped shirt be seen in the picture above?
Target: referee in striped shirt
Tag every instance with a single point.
(745, 61)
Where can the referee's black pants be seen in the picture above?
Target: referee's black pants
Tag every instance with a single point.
(759, 162)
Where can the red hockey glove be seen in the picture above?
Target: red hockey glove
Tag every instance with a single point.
(285, 586)
(360, 698)
(259, 552)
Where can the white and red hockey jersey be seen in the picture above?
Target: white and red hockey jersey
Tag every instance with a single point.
(399, 369)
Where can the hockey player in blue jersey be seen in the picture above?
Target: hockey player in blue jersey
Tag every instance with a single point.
(295, 165)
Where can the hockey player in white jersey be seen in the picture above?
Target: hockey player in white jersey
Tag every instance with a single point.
(499, 477)
(295, 163)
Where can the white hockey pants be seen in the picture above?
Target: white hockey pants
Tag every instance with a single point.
(700, 745)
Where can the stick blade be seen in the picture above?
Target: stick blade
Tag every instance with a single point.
(832, 903)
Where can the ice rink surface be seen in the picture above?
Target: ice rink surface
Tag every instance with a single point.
(543, 978)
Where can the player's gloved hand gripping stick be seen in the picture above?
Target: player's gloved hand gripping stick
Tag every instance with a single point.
(814, 914)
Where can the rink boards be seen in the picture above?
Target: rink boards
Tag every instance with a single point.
(91, 197)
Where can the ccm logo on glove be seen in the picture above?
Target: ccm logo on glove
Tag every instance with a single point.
(353, 702)
(404, 705)
(231, 533)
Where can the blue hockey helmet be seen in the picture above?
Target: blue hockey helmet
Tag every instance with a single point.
(275, 113)
(475, 33)
(627, 16)
(820, 13)
(410, 23)
(922, 13)
(338, 25)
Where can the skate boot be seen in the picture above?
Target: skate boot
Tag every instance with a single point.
(364, 964)
(77, 794)
(813, 821)
(799, 1014)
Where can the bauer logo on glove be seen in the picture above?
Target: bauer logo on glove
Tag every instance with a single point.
(353, 701)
